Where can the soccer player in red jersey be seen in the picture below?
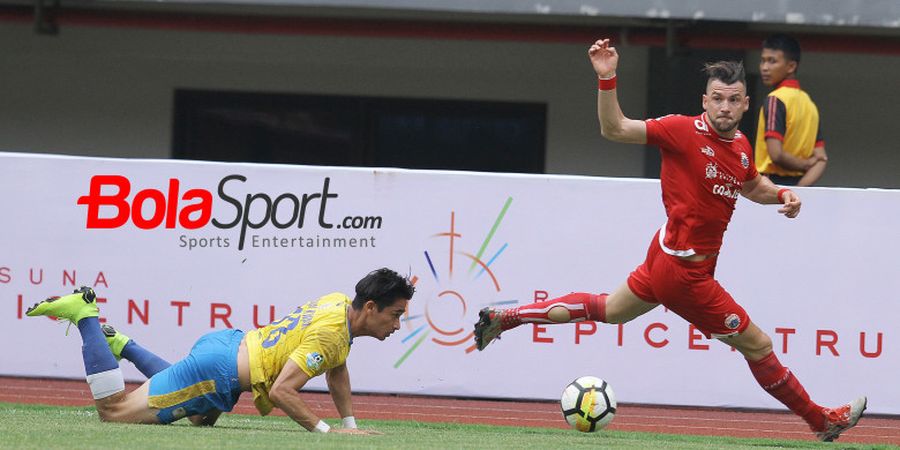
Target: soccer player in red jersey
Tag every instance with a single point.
(706, 164)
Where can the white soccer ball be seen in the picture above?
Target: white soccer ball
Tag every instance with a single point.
(588, 404)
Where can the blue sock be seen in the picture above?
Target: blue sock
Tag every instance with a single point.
(94, 350)
(148, 363)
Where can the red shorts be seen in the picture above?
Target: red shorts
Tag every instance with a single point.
(689, 289)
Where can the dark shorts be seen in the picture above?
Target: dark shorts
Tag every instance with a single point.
(690, 290)
(206, 379)
(782, 180)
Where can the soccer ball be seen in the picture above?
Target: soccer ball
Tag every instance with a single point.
(588, 404)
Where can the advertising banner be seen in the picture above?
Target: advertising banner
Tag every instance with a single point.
(176, 249)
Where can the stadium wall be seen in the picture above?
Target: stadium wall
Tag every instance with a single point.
(108, 91)
(823, 285)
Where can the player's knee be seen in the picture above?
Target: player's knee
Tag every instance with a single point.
(764, 346)
(559, 314)
(107, 412)
(623, 306)
(615, 317)
(760, 343)
(758, 347)
(115, 409)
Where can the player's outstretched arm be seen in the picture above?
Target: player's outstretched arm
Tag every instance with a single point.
(762, 190)
(338, 379)
(286, 396)
(613, 123)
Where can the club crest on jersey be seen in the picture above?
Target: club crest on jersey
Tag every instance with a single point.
(711, 170)
(708, 151)
(314, 360)
(745, 161)
(732, 321)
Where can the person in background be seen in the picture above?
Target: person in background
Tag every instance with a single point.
(790, 149)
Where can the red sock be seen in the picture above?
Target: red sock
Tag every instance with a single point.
(581, 307)
(781, 383)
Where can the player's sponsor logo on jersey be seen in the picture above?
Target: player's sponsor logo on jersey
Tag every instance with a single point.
(733, 321)
(726, 191)
(708, 151)
(711, 170)
(745, 161)
(725, 177)
(314, 360)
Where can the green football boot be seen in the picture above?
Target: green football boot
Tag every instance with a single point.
(115, 339)
(72, 307)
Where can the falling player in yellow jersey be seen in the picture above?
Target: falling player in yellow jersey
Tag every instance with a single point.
(274, 362)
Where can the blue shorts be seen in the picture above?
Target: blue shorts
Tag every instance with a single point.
(206, 379)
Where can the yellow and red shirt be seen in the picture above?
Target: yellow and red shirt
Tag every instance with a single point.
(790, 116)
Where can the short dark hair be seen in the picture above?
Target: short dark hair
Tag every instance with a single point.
(384, 287)
(728, 72)
(786, 44)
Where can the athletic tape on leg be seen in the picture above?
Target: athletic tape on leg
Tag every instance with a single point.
(106, 383)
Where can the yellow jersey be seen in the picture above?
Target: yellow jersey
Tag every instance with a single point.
(316, 336)
(790, 116)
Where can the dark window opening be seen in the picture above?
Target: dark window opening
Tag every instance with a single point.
(359, 131)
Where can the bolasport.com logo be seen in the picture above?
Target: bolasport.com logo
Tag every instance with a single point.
(234, 217)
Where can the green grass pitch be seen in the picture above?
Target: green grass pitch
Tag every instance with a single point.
(48, 427)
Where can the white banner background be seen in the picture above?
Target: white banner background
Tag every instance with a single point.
(831, 272)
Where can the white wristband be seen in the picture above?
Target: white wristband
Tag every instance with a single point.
(321, 427)
(349, 422)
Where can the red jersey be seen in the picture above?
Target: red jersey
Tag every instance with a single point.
(702, 174)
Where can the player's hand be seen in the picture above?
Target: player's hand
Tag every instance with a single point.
(808, 163)
(604, 58)
(791, 204)
(819, 154)
(358, 431)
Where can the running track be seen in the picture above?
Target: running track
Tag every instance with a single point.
(696, 421)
